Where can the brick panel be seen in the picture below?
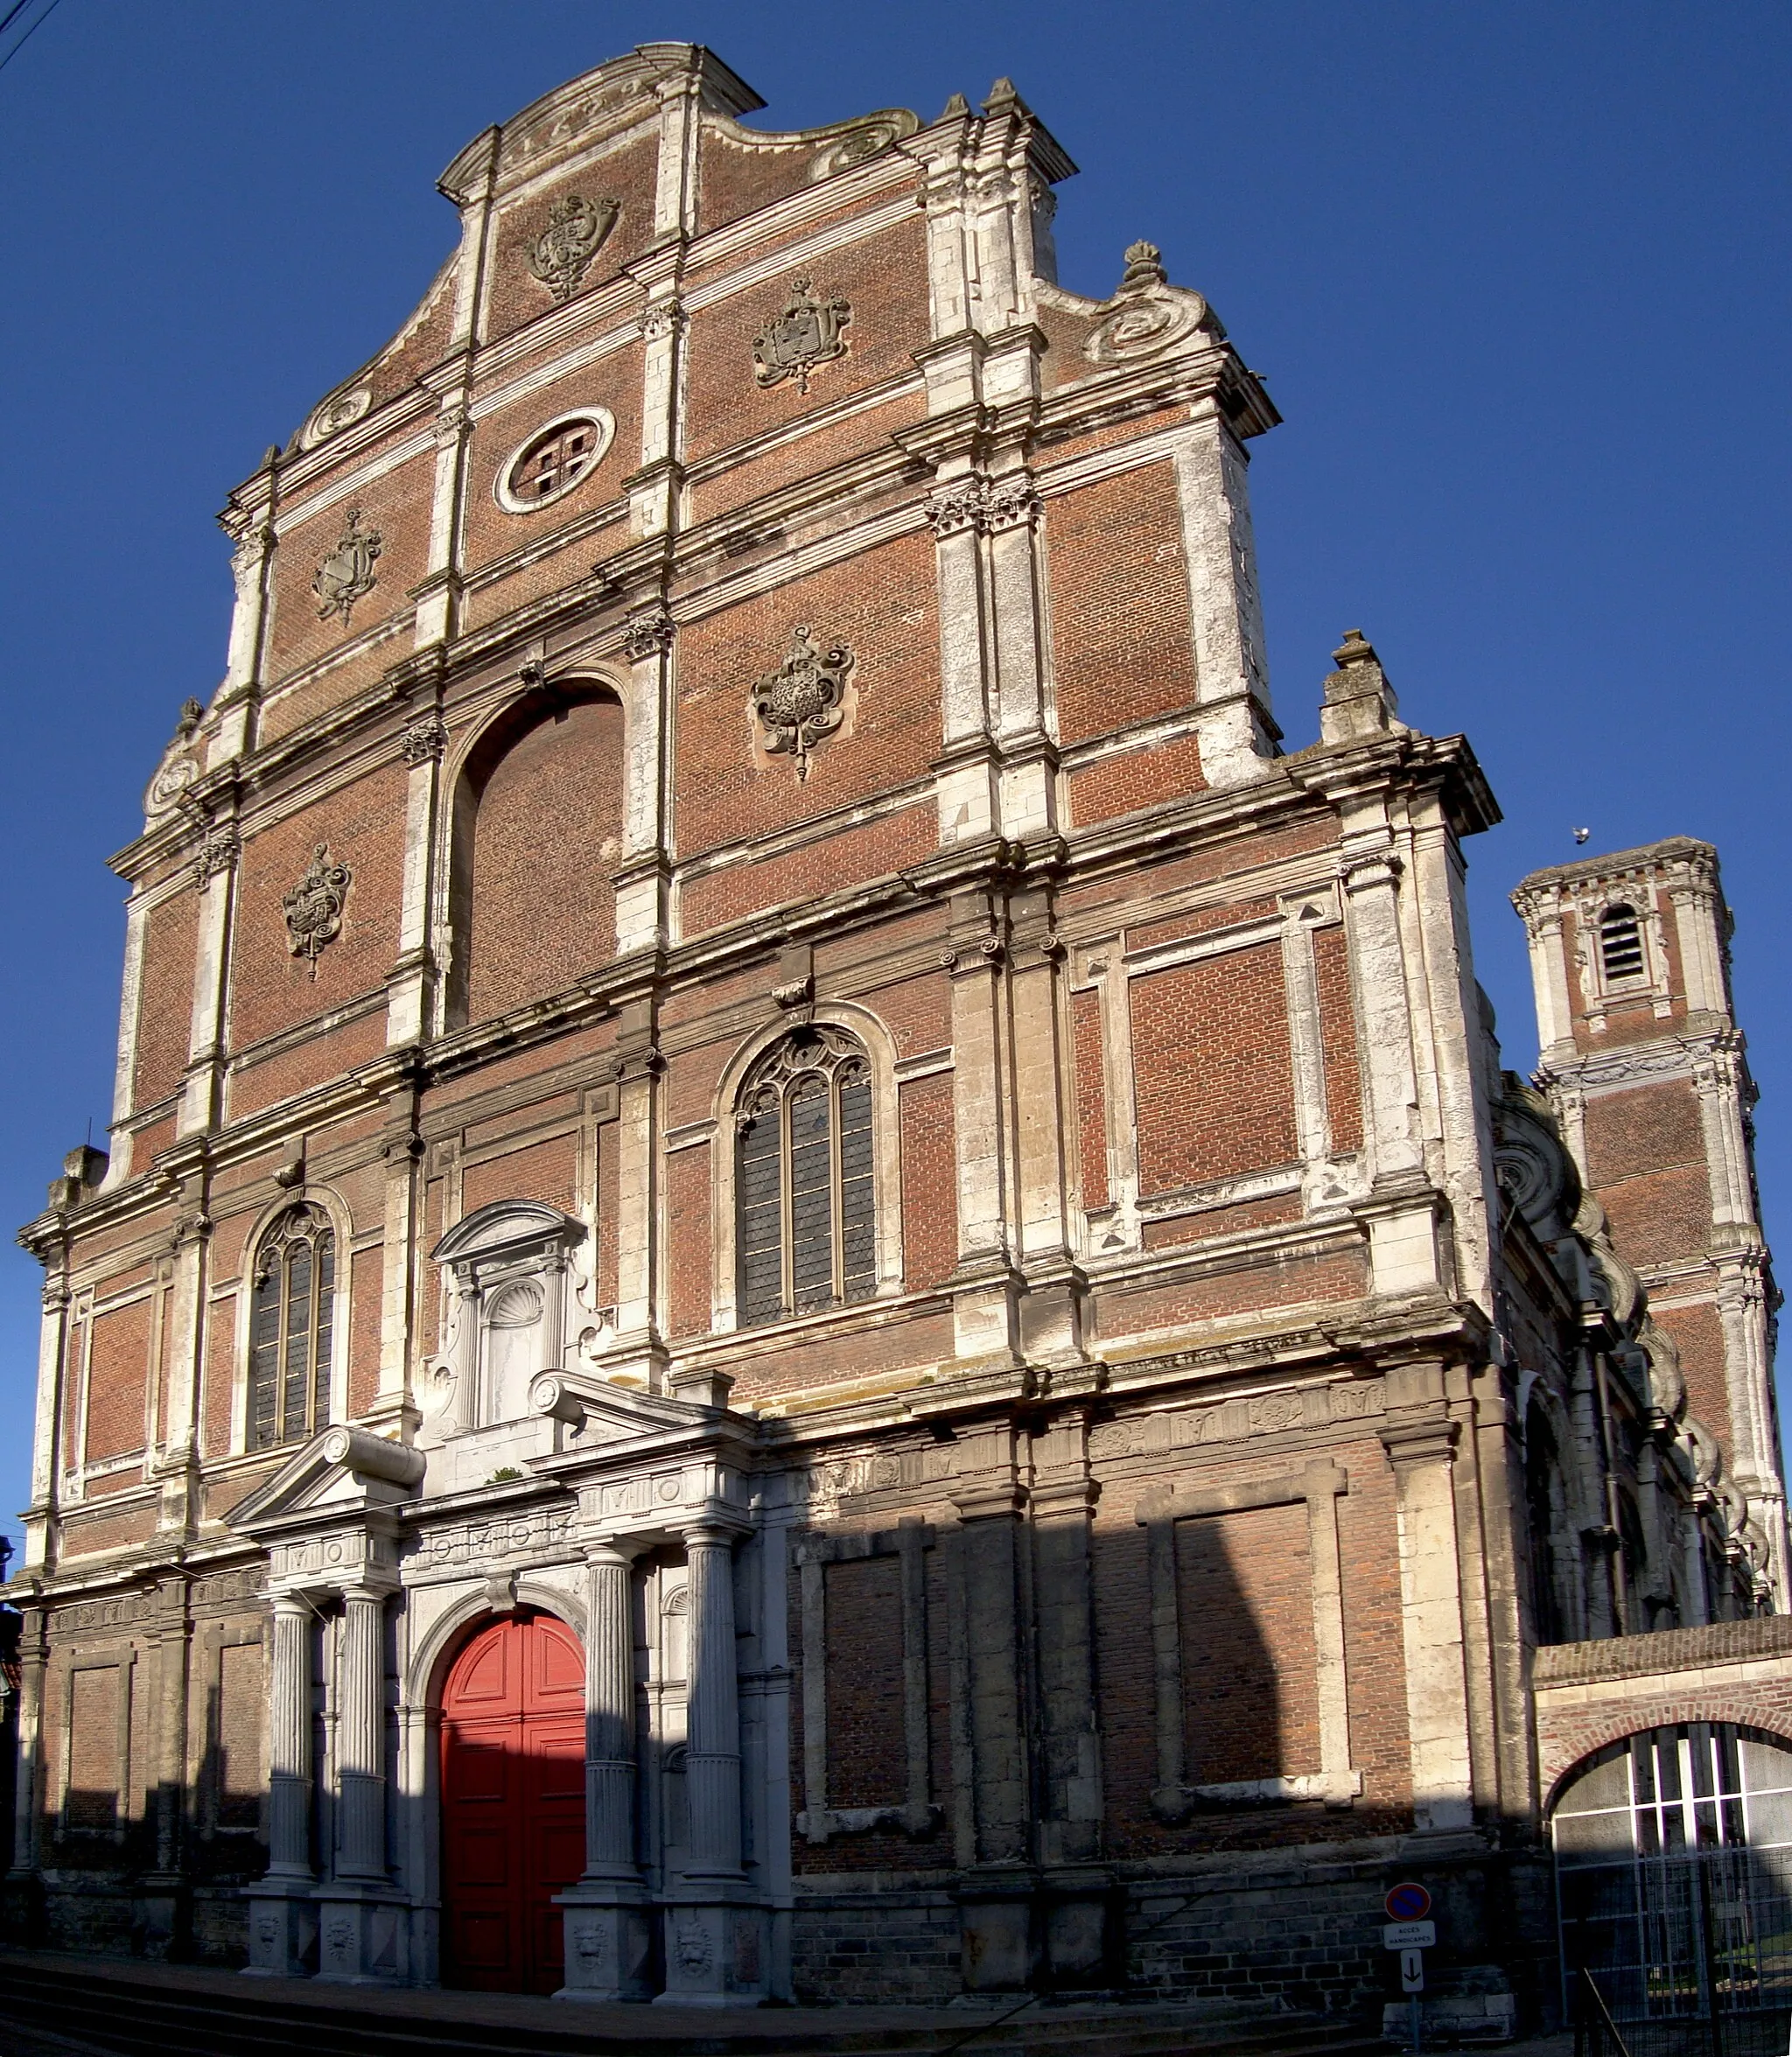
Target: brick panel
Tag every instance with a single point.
(1661, 1215)
(236, 1741)
(118, 1380)
(867, 432)
(1331, 961)
(626, 173)
(1252, 1214)
(289, 1071)
(1121, 640)
(546, 838)
(165, 1002)
(1122, 785)
(885, 280)
(397, 505)
(929, 1183)
(866, 1764)
(1643, 1130)
(883, 606)
(366, 1290)
(1091, 1096)
(853, 857)
(1284, 1282)
(1245, 1585)
(219, 1377)
(1214, 1080)
(689, 1206)
(546, 1171)
(1696, 1332)
(271, 989)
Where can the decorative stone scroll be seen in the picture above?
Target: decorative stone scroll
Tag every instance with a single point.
(1147, 315)
(1335, 1782)
(818, 1821)
(346, 573)
(179, 767)
(576, 230)
(807, 334)
(803, 701)
(861, 140)
(339, 411)
(314, 907)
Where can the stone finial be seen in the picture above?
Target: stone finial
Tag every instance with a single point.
(1144, 268)
(1001, 94)
(192, 713)
(956, 106)
(1359, 700)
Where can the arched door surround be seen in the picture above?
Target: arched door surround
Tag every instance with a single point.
(513, 1802)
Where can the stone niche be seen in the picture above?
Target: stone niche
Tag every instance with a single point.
(511, 1282)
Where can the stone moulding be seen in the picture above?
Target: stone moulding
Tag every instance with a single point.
(917, 1814)
(1336, 1783)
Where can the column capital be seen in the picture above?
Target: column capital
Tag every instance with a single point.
(717, 1524)
(606, 1550)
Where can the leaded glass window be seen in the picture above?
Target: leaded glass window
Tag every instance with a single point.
(805, 1190)
(293, 1300)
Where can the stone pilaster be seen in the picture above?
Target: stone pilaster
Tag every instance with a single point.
(1420, 1440)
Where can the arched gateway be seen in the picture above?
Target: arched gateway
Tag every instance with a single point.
(513, 1802)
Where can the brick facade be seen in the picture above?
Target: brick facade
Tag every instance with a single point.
(1088, 1518)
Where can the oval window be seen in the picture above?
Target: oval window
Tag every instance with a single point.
(555, 459)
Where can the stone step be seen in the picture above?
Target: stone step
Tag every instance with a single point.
(133, 2009)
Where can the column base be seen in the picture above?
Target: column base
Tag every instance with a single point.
(359, 1942)
(609, 1943)
(282, 1929)
(717, 1955)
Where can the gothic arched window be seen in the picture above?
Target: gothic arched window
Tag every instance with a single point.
(291, 1315)
(1620, 942)
(806, 1213)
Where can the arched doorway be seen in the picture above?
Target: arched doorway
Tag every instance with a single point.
(1674, 1878)
(513, 1802)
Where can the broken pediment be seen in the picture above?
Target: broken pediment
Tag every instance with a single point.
(342, 1470)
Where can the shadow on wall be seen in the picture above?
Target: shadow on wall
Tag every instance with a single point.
(1024, 1702)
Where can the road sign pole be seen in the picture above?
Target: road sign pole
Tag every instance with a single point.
(1413, 2004)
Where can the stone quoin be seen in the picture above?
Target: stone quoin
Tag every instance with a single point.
(812, 1283)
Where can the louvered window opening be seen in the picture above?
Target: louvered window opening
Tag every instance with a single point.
(1620, 942)
(805, 1191)
(554, 463)
(289, 1330)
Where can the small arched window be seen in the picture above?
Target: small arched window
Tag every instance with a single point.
(806, 1229)
(291, 1315)
(1620, 942)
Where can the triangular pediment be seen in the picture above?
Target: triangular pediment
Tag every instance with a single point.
(342, 1469)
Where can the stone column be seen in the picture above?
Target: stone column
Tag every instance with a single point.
(361, 1736)
(712, 1724)
(290, 1751)
(716, 1936)
(607, 1937)
(282, 1922)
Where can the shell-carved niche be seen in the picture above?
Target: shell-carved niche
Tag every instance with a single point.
(508, 1274)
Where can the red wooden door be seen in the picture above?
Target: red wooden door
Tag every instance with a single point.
(513, 1802)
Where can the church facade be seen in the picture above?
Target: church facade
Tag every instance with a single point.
(811, 1281)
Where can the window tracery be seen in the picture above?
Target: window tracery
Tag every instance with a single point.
(292, 1322)
(805, 1188)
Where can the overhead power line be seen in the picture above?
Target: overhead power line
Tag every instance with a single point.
(26, 34)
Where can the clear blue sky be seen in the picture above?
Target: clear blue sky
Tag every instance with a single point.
(1516, 273)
